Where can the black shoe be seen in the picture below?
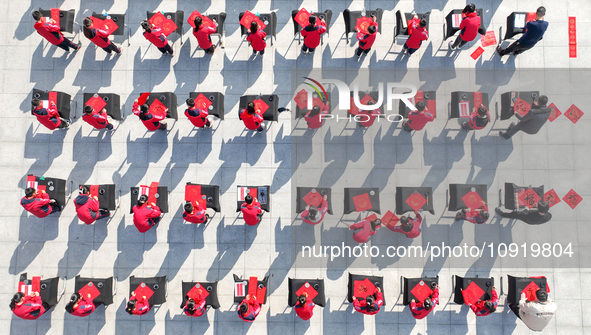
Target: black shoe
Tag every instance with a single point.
(504, 135)
(498, 210)
(500, 50)
(162, 126)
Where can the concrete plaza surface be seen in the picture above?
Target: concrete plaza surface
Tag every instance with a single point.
(60, 245)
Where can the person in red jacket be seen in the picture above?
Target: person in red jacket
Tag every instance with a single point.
(80, 306)
(371, 304)
(38, 203)
(314, 118)
(366, 40)
(137, 306)
(49, 117)
(418, 119)
(196, 308)
(145, 216)
(51, 32)
(314, 215)
(253, 119)
(197, 116)
(367, 117)
(364, 229)
(479, 118)
(99, 36)
(304, 307)
(155, 35)
(202, 33)
(409, 227)
(418, 34)
(256, 37)
(484, 308)
(312, 33)
(87, 207)
(195, 215)
(151, 121)
(420, 311)
(249, 308)
(96, 119)
(251, 210)
(468, 27)
(474, 215)
(28, 307)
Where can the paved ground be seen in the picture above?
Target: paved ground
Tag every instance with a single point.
(228, 156)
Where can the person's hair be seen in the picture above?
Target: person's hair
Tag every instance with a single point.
(371, 29)
(315, 111)
(191, 306)
(84, 190)
(87, 109)
(427, 303)
(147, 26)
(142, 200)
(35, 102)
(542, 100)
(87, 22)
(541, 11)
(144, 109)
(423, 23)
(243, 308)
(37, 15)
(248, 199)
(312, 212)
(16, 298)
(370, 299)
(420, 106)
(484, 214)
(198, 21)
(250, 108)
(405, 224)
(190, 102)
(482, 111)
(29, 192)
(312, 20)
(542, 295)
(130, 306)
(470, 8)
(489, 306)
(254, 27)
(375, 224)
(73, 300)
(543, 207)
(302, 299)
(188, 207)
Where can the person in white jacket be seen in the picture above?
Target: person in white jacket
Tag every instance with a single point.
(535, 314)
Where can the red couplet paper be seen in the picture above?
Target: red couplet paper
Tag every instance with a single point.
(390, 219)
(36, 284)
(192, 193)
(528, 198)
(464, 107)
(572, 36)
(158, 108)
(363, 288)
(143, 98)
(410, 24)
(313, 198)
(307, 288)
(94, 190)
(416, 201)
(531, 16)
(96, 102)
(456, 20)
(521, 107)
(472, 293)
(574, 114)
(55, 15)
(477, 96)
(363, 23)
(202, 102)
(472, 200)
(110, 25)
(167, 25)
(362, 202)
(530, 291)
(153, 192)
(91, 289)
(555, 112)
(260, 104)
(253, 286)
(206, 20)
(143, 291)
(477, 53)
(31, 181)
(551, 198)
(301, 99)
(194, 292)
(572, 198)
(52, 97)
(572, 49)
(371, 218)
(302, 18)
(421, 291)
(248, 17)
(488, 39)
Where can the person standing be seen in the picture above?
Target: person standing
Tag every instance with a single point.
(99, 36)
(532, 122)
(252, 119)
(151, 121)
(418, 34)
(96, 119)
(468, 27)
(197, 116)
(364, 229)
(155, 35)
(50, 30)
(202, 33)
(38, 203)
(49, 117)
(87, 207)
(256, 37)
(366, 40)
(311, 34)
(534, 32)
(251, 210)
(145, 216)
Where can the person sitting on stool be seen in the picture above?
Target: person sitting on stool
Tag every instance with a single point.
(537, 215)
(38, 203)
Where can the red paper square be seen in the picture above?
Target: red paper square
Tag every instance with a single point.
(416, 201)
(260, 104)
(206, 20)
(307, 288)
(91, 289)
(528, 198)
(521, 106)
(301, 99)
(363, 288)
(202, 102)
(363, 23)
(390, 219)
(372, 218)
(472, 293)
(302, 18)
(143, 290)
(574, 114)
(167, 25)
(194, 292)
(477, 96)
(96, 102)
(530, 291)
(488, 39)
(94, 190)
(432, 107)
(253, 192)
(421, 291)
(152, 192)
(477, 53)
(555, 112)
(551, 198)
(248, 17)
(52, 97)
(143, 98)
(472, 200)
(362, 202)
(55, 15)
(313, 198)
(158, 108)
(572, 199)
(531, 17)
(316, 101)
(192, 193)
(109, 23)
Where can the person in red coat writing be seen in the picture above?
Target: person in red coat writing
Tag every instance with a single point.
(151, 121)
(50, 30)
(418, 119)
(251, 210)
(366, 40)
(196, 308)
(468, 27)
(96, 119)
(479, 118)
(195, 215)
(367, 117)
(155, 35)
(38, 203)
(249, 308)
(474, 215)
(202, 33)
(80, 306)
(99, 36)
(420, 311)
(197, 116)
(418, 34)
(28, 307)
(49, 117)
(304, 307)
(312, 33)
(364, 229)
(253, 119)
(314, 118)
(484, 308)
(409, 227)
(87, 207)
(371, 304)
(314, 215)
(145, 216)
(137, 306)
(256, 37)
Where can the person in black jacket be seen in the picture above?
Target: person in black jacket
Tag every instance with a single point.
(532, 122)
(537, 215)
